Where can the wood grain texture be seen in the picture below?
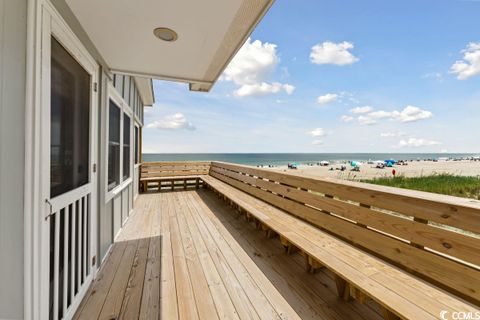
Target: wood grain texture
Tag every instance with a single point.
(448, 242)
(359, 268)
(176, 258)
(384, 233)
(452, 211)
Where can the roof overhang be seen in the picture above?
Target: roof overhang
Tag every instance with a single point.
(210, 32)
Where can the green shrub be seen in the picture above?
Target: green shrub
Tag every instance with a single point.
(467, 187)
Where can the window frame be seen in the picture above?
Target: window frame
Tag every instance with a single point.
(119, 176)
(125, 109)
(136, 146)
(129, 145)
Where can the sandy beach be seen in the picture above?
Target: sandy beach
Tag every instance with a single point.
(368, 171)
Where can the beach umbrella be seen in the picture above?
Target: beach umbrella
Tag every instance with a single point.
(355, 163)
(390, 162)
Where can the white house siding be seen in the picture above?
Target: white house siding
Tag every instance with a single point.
(114, 213)
(13, 24)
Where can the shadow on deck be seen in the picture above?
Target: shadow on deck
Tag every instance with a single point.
(188, 255)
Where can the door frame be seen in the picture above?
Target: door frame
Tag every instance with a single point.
(44, 21)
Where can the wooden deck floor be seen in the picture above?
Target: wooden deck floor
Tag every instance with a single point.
(187, 255)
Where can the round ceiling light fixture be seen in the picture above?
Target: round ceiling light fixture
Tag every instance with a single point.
(165, 34)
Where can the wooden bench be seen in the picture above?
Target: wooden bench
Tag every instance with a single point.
(416, 254)
(171, 175)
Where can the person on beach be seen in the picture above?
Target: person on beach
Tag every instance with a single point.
(394, 172)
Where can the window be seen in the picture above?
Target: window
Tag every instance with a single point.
(113, 145)
(70, 122)
(126, 147)
(136, 145)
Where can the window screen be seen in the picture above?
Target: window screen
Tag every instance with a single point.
(113, 145)
(126, 147)
(70, 122)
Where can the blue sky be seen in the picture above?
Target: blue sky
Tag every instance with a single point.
(337, 76)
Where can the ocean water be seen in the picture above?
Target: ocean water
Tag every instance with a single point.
(279, 159)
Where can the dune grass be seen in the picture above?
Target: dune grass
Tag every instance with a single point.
(466, 187)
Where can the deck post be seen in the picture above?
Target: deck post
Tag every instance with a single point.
(289, 247)
(343, 288)
(312, 264)
(389, 315)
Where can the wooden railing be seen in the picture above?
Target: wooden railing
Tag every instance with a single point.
(172, 169)
(161, 175)
(434, 236)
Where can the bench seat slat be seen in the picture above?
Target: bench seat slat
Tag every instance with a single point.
(363, 270)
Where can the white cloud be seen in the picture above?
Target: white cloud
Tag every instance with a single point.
(408, 114)
(417, 143)
(433, 75)
(260, 89)
(251, 68)
(392, 134)
(317, 133)
(470, 65)
(173, 122)
(333, 53)
(366, 120)
(327, 98)
(347, 119)
(253, 63)
(317, 142)
(365, 109)
(411, 114)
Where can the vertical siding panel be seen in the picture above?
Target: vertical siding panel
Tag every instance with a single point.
(134, 100)
(117, 214)
(124, 205)
(126, 89)
(13, 34)
(132, 92)
(119, 83)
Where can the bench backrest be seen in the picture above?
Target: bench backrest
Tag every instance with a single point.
(173, 169)
(430, 235)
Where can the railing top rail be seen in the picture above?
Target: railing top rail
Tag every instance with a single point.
(176, 163)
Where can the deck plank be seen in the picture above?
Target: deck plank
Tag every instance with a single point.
(187, 308)
(150, 305)
(221, 298)
(312, 296)
(113, 303)
(238, 296)
(266, 299)
(93, 302)
(187, 255)
(168, 291)
(203, 297)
